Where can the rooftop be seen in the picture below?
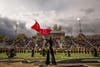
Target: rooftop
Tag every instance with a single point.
(57, 32)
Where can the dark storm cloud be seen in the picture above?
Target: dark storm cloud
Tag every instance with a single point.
(88, 25)
(88, 10)
(7, 27)
(64, 13)
(91, 27)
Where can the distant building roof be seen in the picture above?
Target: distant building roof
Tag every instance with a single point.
(57, 32)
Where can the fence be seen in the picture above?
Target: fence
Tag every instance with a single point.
(72, 50)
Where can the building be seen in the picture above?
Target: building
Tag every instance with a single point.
(57, 34)
(54, 34)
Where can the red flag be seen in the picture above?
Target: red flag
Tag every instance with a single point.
(45, 31)
(36, 26)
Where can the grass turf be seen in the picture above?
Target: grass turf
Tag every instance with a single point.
(38, 57)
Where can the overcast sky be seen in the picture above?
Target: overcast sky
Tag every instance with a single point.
(48, 13)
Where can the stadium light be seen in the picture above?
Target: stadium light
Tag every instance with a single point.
(16, 30)
(78, 19)
(80, 30)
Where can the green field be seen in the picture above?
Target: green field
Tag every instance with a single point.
(37, 56)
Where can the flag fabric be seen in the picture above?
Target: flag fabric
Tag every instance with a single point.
(36, 26)
(45, 31)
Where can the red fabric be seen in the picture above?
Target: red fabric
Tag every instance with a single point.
(45, 31)
(36, 26)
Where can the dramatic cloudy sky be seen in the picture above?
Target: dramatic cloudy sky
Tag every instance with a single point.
(48, 13)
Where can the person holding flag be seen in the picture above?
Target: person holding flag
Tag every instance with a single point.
(48, 41)
(50, 51)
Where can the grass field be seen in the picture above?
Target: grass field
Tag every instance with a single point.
(37, 56)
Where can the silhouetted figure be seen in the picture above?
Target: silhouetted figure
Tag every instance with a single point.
(68, 53)
(95, 52)
(32, 53)
(43, 52)
(50, 51)
(11, 53)
(85, 51)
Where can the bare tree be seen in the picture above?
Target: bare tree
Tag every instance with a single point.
(60, 28)
(55, 27)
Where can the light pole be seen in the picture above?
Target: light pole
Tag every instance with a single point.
(16, 30)
(80, 30)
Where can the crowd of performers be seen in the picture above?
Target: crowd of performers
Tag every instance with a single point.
(45, 43)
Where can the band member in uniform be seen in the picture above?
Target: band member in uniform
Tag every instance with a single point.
(50, 51)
